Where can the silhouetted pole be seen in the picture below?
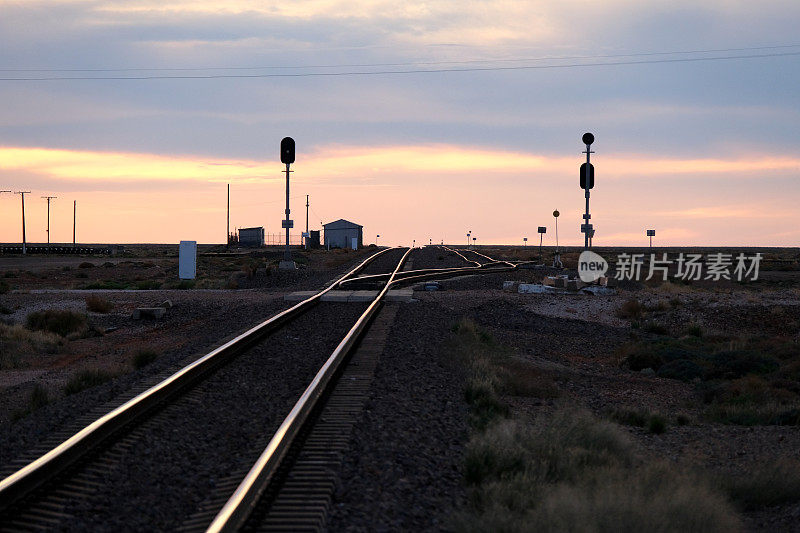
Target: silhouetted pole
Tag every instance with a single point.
(23, 193)
(228, 227)
(48, 219)
(287, 157)
(587, 139)
(74, 219)
(307, 234)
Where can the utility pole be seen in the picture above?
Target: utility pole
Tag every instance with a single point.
(23, 193)
(228, 227)
(307, 234)
(74, 219)
(48, 198)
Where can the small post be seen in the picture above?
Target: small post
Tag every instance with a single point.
(376, 239)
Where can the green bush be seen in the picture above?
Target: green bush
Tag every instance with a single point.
(681, 369)
(768, 484)
(732, 364)
(86, 379)
(654, 327)
(147, 285)
(143, 358)
(37, 399)
(657, 424)
(56, 321)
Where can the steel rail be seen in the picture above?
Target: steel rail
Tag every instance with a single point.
(240, 505)
(491, 258)
(30, 477)
(462, 256)
(411, 273)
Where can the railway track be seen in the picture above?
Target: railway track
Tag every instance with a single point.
(290, 484)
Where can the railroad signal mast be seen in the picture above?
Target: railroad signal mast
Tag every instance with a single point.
(651, 233)
(587, 182)
(557, 257)
(287, 157)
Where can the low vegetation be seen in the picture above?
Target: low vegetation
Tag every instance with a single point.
(98, 304)
(747, 381)
(86, 379)
(492, 372)
(58, 321)
(37, 398)
(4, 287)
(652, 422)
(143, 357)
(767, 484)
(567, 470)
(17, 344)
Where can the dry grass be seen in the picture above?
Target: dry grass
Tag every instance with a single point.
(57, 321)
(492, 373)
(571, 472)
(631, 309)
(767, 484)
(98, 304)
(18, 343)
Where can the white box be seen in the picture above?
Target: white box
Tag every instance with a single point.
(187, 260)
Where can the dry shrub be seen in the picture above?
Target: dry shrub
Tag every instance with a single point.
(669, 288)
(86, 379)
(572, 472)
(61, 322)
(767, 484)
(631, 309)
(18, 343)
(98, 304)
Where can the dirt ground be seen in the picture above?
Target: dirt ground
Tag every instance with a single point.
(588, 343)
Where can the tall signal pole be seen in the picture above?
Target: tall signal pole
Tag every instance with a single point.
(74, 219)
(48, 219)
(287, 158)
(587, 182)
(228, 229)
(23, 193)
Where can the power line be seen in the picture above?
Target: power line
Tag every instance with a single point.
(410, 63)
(396, 72)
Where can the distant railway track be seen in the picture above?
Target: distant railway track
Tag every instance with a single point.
(34, 496)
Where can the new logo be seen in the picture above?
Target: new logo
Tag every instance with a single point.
(591, 266)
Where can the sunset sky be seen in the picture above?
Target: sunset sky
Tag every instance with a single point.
(417, 120)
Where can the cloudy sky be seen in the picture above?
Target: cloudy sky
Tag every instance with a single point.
(417, 120)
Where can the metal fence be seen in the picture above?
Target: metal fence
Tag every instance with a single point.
(278, 239)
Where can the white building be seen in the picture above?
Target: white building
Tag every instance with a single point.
(343, 234)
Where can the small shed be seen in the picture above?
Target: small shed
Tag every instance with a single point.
(343, 234)
(251, 236)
